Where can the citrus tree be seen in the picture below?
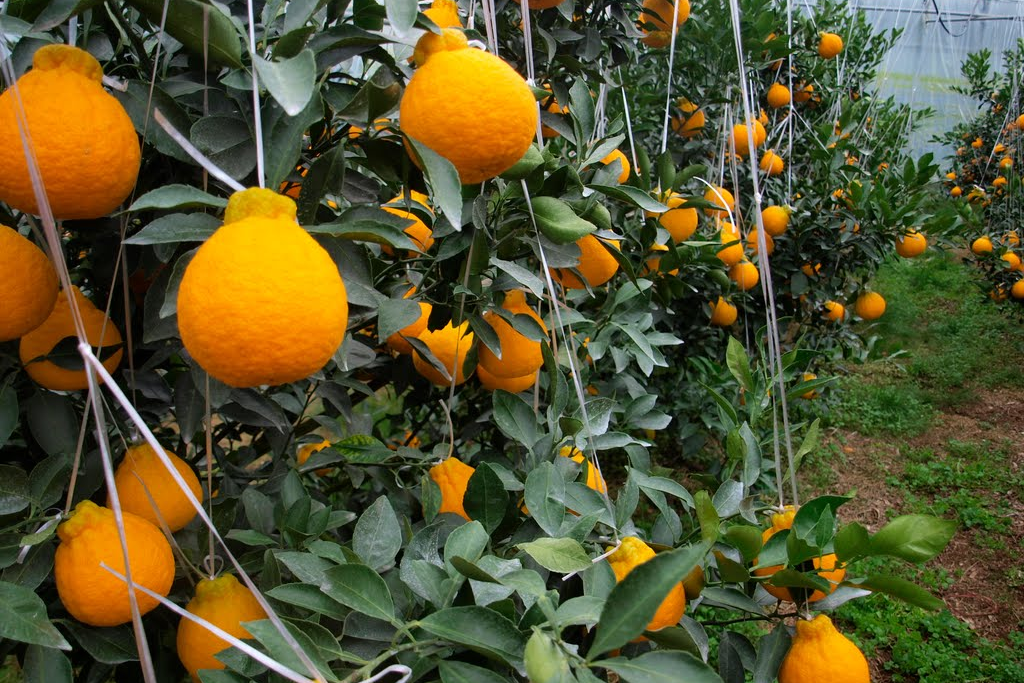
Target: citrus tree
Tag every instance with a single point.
(981, 181)
(326, 366)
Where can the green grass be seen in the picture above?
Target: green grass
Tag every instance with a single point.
(886, 408)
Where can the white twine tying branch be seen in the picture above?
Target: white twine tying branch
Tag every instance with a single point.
(198, 156)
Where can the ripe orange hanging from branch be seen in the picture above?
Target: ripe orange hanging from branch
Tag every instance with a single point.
(141, 476)
(85, 144)
(454, 79)
(261, 302)
(28, 285)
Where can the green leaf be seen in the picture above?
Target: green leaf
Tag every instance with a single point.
(852, 541)
(633, 602)
(8, 412)
(480, 629)
(562, 555)
(902, 589)
(14, 491)
(661, 666)
(203, 29)
(771, 650)
(394, 315)
(545, 489)
(707, 516)
(486, 498)
(444, 182)
(290, 81)
(177, 197)
(810, 513)
(46, 665)
(631, 195)
(227, 141)
(108, 645)
(308, 597)
(515, 418)
(454, 671)
(176, 228)
(23, 618)
(377, 537)
(284, 137)
(558, 222)
(401, 14)
(746, 539)
(739, 364)
(915, 538)
(360, 588)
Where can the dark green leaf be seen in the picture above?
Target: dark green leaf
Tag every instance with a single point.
(852, 541)
(203, 29)
(378, 535)
(906, 591)
(46, 665)
(177, 227)
(360, 588)
(177, 197)
(661, 666)
(444, 181)
(479, 629)
(8, 412)
(108, 645)
(454, 671)
(290, 81)
(561, 555)
(771, 650)
(486, 498)
(23, 618)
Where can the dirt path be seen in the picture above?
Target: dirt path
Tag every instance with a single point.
(986, 568)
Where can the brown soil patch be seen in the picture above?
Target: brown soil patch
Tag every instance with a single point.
(981, 595)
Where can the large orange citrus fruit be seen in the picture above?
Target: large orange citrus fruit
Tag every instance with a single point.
(631, 554)
(456, 81)
(88, 537)
(827, 563)
(40, 342)
(28, 285)
(261, 302)
(659, 13)
(520, 356)
(142, 473)
(450, 345)
(597, 265)
(85, 144)
(452, 477)
(870, 305)
(821, 653)
(397, 342)
(225, 603)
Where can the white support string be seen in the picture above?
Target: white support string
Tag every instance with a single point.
(767, 289)
(668, 85)
(257, 115)
(198, 156)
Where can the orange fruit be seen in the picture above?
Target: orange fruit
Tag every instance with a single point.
(261, 302)
(998, 294)
(733, 253)
(28, 285)
(99, 330)
(691, 121)
(821, 653)
(870, 306)
(1012, 260)
(397, 342)
(741, 137)
(723, 313)
(804, 92)
(834, 575)
(452, 477)
(778, 96)
(418, 232)
(1010, 239)
(829, 45)
(456, 79)
(306, 450)
(744, 274)
(510, 384)
(594, 478)
(1018, 289)
(956, 191)
(834, 311)
(721, 198)
(450, 346)
(89, 538)
(982, 245)
(911, 244)
(752, 238)
(142, 476)
(631, 554)
(977, 143)
(681, 223)
(520, 356)
(775, 220)
(225, 603)
(812, 394)
(811, 271)
(597, 265)
(618, 155)
(660, 13)
(86, 146)
(772, 163)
